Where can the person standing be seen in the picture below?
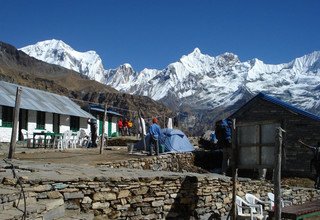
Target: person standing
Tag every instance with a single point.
(315, 161)
(125, 127)
(120, 126)
(93, 129)
(130, 125)
(155, 135)
(223, 130)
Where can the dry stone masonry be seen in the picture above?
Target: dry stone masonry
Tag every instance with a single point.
(118, 193)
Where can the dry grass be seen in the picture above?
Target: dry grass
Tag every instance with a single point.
(298, 182)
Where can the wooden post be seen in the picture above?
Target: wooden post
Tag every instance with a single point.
(234, 169)
(103, 128)
(12, 147)
(142, 131)
(164, 121)
(277, 173)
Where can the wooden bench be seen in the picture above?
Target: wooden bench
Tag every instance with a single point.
(309, 210)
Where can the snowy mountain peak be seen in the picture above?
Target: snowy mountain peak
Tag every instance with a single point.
(310, 61)
(198, 80)
(227, 58)
(196, 51)
(126, 66)
(57, 52)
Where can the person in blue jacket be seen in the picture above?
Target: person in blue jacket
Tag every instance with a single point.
(155, 135)
(223, 131)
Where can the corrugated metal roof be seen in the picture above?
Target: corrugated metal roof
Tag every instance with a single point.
(100, 109)
(38, 100)
(280, 103)
(288, 106)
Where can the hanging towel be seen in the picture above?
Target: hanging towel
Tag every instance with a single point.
(170, 123)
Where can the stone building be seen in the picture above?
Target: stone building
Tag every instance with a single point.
(112, 118)
(256, 123)
(39, 111)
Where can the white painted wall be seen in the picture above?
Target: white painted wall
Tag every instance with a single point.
(5, 133)
(0, 115)
(64, 123)
(114, 125)
(32, 120)
(49, 120)
(84, 125)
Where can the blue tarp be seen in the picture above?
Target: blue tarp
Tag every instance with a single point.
(173, 140)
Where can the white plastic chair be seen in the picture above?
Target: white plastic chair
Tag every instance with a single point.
(254, 211)
(252, 199)
(74, 139)
(64, 140)
(283, 202)
(83, 138)
(26, 138)
(49, 139)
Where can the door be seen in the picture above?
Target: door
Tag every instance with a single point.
(109, 126)
(56, 123)
(100, 126)
(23, 122)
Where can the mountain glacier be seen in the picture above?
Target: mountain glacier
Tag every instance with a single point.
(198, 81)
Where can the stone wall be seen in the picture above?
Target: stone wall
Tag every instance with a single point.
(115, 192)
(178, 196)
(166, 162)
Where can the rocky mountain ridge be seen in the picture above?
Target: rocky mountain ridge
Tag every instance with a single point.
(17, 67)
(202, 86)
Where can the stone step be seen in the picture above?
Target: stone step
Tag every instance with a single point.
(45, 209)
(12, 213)
(76, 215)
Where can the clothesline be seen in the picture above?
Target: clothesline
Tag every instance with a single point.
(79, 100)
(114, 107)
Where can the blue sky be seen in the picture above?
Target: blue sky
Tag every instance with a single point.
(154, 33)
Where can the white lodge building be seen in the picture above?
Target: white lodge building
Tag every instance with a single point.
(39, 111)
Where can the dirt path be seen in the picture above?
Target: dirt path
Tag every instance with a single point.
(78, 156)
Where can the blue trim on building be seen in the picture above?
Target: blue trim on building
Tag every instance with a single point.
(100, 109)
(288, 106)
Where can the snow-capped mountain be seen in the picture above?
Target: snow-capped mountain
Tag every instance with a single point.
(57, 52)
(197, 80)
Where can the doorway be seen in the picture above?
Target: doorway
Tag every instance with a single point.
(23, 122)
(56, 123)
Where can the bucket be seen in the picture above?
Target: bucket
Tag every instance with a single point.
(115, 134)
(161, 148)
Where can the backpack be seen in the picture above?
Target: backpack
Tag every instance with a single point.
(223, 130)
(315, 161)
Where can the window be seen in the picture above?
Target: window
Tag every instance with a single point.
(41, 120)
(74, 123)
(7, 116)
(256, 144)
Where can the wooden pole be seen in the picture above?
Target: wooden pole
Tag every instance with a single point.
(12, 147)
(103, 128)
(142, 131)
(234, 170)
(164, 121)
(277, 173)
